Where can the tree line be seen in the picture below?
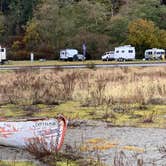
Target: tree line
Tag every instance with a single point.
(46, 26)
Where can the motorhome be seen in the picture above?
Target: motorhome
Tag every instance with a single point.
(107, 56)
(126, 52)
(154, 54)
(2, 55)
(71, 54)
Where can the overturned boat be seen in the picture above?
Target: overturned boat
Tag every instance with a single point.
(45, 133)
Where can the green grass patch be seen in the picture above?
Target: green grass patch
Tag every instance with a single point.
(11, 110)
(132, 115)
(56, 62)
(70, 109)
(66, 163)
(16, 163)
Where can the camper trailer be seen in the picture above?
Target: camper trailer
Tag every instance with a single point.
(126, 52)
(2, 55)
(71, 54)
(154, 54)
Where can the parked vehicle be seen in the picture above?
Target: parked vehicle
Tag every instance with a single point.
(154, 54)
(126, 52)
(2, 55)
(71, 54)
(79, 57)
(107, 56)
(34, 132)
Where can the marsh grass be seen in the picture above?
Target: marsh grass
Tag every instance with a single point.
(16, 163)
(117, 94)
(71, 156)
(121, 159)
(149, 117)
(123, 85)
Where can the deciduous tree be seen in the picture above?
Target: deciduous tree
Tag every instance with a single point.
(143, 34)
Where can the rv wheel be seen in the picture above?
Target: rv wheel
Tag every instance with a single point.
(120, 59)
(75, 58)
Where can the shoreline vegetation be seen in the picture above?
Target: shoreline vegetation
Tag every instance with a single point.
(130, 96)
(120, 96)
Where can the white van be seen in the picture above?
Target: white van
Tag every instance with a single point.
(71, 54)
(2, 55)
(154, 54)
(107, 56)
(126, 52)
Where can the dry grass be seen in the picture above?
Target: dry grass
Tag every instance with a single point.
(90, 87)
(111, 90)
(70, 155)
(121, 159)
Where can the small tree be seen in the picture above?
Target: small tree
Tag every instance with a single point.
(143, 35)
(2, 27)
(117, 30)
(162, 38)
(32, 36)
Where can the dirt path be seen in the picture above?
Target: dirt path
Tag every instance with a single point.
(144, 143)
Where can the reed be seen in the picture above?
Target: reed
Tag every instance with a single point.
(90, 87)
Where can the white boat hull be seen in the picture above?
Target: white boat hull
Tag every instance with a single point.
(50, 132)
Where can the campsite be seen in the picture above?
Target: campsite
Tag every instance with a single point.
(82, 83)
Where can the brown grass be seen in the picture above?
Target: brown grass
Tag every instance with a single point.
(121, 159)
(90, 87)
(39, 148)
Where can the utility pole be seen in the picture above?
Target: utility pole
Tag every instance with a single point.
(113, 6)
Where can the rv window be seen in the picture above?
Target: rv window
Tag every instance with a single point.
(123, 51)
(117, 51)
(2, 50)
(130, 51)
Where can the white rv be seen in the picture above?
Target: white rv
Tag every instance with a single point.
(2, 55)
(154, 54)
(126, 52)
(71, 54)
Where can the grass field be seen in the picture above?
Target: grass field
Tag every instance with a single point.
(120, 96)
(130, 96)
(16, 163)
(56, 62)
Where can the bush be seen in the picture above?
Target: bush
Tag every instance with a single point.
(19, 55)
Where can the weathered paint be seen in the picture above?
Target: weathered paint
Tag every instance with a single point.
(21, 134)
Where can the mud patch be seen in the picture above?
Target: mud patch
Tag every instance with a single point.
(108, 142)
(15, 154)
